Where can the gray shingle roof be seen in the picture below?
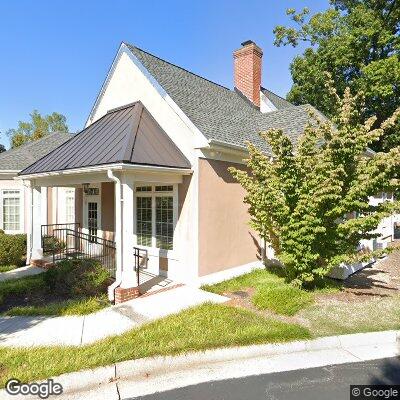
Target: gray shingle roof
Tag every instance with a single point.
(127, 134)
(218, 112)
(278, 101)
(23, 156)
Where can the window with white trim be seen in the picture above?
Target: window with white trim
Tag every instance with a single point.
(164, 222)
(144, 213)
(11, 210)
(70, 205)
(155, 216)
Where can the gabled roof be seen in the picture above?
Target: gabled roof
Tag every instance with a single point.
(21, 157)
(127, 134)
(222, 114)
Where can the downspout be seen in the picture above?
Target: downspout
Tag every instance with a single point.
(118, 277)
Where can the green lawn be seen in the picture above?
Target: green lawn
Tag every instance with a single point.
(203, 327)
(22, 286)
(36, 285)
(68, 307)
(376, 314)
(6, 268)
(255, 278)
(272, 292)
(282, 299)
(332, 318)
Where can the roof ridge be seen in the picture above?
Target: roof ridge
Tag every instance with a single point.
(136, 118)
(177, 66)
(112, 110)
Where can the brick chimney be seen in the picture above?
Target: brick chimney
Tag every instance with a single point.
(247, 71)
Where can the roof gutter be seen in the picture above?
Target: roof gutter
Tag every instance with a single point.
(106, 167)
(9, 172)
(232, 148)
(220, 145)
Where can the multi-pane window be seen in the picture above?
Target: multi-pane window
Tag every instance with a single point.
(92, 218)
(143, 189)
(164, 222)
(11, 208)
(155, 216)
(70, 206)
(144, 220)
(168, 188)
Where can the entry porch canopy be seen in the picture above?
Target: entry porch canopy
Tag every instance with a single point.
(125, 146)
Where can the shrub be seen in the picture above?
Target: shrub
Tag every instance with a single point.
(81, 278)
(51, 243)
(285, 299)
(12, 249)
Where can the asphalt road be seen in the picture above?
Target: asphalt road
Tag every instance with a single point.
(325, 383)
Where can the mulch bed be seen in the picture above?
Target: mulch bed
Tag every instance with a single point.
(380, 280)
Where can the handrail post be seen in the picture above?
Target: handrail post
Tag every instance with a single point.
(137, 266)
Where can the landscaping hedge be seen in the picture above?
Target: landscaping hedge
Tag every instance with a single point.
(12, 249)
(78, 278)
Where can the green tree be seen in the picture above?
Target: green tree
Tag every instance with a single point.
(38, 127)
(2, 148)
(311, 203)
(358, 43)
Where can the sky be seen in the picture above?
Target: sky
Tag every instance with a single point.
(54, 55)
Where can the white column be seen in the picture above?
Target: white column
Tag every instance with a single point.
(118, 230)
(28, 228)
(43, 202)
(36, 218)
(128, 262)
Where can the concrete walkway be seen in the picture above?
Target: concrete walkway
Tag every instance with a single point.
(114, 320)
(20, 273)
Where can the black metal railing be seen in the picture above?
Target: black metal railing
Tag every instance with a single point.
(55, 241)
(82, 246)
(63, 243)
(140, 258)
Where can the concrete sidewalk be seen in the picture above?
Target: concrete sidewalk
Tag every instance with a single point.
(20, 273)
(136, 378)
(114, 320)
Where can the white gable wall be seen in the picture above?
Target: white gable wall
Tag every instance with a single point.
(128, 82)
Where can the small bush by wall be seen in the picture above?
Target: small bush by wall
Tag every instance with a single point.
(12, 249)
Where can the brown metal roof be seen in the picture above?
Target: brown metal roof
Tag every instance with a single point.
(128, 134)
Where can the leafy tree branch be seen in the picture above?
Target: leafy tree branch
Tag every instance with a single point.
(311, 200)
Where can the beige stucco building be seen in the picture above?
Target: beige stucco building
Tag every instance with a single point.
(150, 170)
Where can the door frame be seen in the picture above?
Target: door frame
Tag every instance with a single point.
(92, 199)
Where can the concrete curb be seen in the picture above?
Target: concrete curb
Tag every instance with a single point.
(196, 366)
(145, 366)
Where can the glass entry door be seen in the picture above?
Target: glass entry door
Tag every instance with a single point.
(93, 217)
